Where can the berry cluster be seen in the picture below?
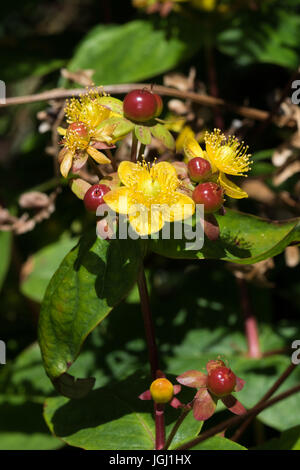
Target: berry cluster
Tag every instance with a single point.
(206, 192)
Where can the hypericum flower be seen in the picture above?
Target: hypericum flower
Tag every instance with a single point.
(149, 196)
(77, 147)
(219, 383)
(162, 391)
(88, 109)
(226, 155)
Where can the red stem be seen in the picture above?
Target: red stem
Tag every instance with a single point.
(237, 419)
(250, 322)
(160, 434)
(266, 396)
(153, 357)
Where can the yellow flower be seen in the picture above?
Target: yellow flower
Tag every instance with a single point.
(77, 148)
(185, 133)
(226, 156)
(84, 115)
(87, 109)
(149, 196)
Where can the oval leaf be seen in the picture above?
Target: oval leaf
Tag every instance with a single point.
(143, 134)
(244, 239)
(113, 418)
(162, 134)
(134, 51)
(91, 280)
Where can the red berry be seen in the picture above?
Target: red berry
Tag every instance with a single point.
(140, 105)
(209, 194)
(94, 196)
(159, 104)
(199, 169)
(79, 128)
(221, 381)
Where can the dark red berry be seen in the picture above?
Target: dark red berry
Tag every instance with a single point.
(199, 169)
(159, 104)
(221, 381)
(140, 105)
(94, 196)
(209, 194)
(79, 128)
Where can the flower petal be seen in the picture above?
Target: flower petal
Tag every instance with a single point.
(175, 403)
(234, 405)
(177, 389)
(119, 200)
(61, 130)
(145, 221)
(131, 173)
(185, 133)
(192, 378)
(99, 157)
(183, 207)
(204, 405)
(192, 149)
(165, 174)
(145, 395)
(230, 188)
(239, 384)
(66, 164)
(79, 161)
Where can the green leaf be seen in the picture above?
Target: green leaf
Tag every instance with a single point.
(5, 253)
(92, 279)
(259, 374)
(272, 37)
(112, 103)
(22, 426)
(143, 134)
(120, 126)
(244, 239)
(162, 134)
(218, 443)
(24, 387)
(134, 51)
(113, 418)
(41, 267)
(289, 440)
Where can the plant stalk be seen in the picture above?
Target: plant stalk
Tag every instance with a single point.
(250, 323)
(160, 433)
(153, 356)
(134, 145)
(174, 430)
(237, 419)
(267, 395)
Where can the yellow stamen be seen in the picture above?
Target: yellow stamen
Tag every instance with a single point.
(227, 154)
